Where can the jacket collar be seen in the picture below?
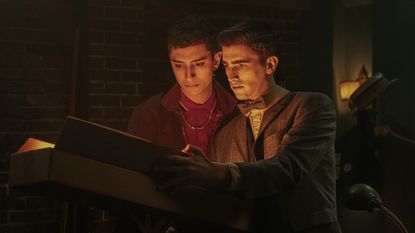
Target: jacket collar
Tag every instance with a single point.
(270, 114)
(273, 95)
(225, 101)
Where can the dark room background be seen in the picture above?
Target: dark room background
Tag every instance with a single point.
(97, 59)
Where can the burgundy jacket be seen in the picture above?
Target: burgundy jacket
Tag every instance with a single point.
(158, 119)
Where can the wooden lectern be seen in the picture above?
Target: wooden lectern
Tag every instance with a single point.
(105, 183)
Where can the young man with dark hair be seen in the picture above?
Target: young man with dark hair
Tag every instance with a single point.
(191, 110)
(279, 151)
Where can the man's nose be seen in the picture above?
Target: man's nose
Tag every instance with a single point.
(190, 72)
(231, 74)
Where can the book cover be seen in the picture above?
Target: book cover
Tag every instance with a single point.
(101, 143)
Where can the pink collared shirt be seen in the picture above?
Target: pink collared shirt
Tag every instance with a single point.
(199, 121)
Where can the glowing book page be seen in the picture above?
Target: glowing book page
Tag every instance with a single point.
(34, 144)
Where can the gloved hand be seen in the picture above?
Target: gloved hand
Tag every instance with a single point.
(196, 170)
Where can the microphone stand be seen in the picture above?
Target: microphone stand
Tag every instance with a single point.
(394, 218)
(364, 197)
(378, 205)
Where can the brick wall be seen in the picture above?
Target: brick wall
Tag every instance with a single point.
(124, 62)
(35, 52)
(115, 44)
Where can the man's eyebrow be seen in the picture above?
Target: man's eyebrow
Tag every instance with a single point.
(237, 61)
(200, 59)
(241, 61)
(196, 60)
(176, 61)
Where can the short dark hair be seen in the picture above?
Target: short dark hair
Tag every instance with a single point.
(256, 34)
(192, 30)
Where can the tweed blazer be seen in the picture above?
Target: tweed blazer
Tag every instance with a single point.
(289, 170)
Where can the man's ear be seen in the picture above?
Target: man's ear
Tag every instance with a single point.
(271, 64)
(216, 60)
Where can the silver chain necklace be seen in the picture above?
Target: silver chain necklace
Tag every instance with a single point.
(196, 127)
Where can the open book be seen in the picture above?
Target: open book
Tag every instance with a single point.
(101, 143)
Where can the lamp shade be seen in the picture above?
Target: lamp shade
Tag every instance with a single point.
(347, 88)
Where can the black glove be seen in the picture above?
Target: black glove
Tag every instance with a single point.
(196, 170)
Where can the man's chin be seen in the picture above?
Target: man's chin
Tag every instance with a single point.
(195, 96)
(193, 93)
(240, 96)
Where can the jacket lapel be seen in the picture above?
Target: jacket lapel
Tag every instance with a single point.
(273, 112)
(241, 132)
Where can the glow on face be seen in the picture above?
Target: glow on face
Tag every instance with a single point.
(193, 68)
(245, 71)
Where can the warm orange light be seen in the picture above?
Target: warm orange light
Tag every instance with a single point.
(33, 144)
(347, 88)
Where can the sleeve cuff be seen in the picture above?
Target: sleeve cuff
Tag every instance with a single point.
(235, 181)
